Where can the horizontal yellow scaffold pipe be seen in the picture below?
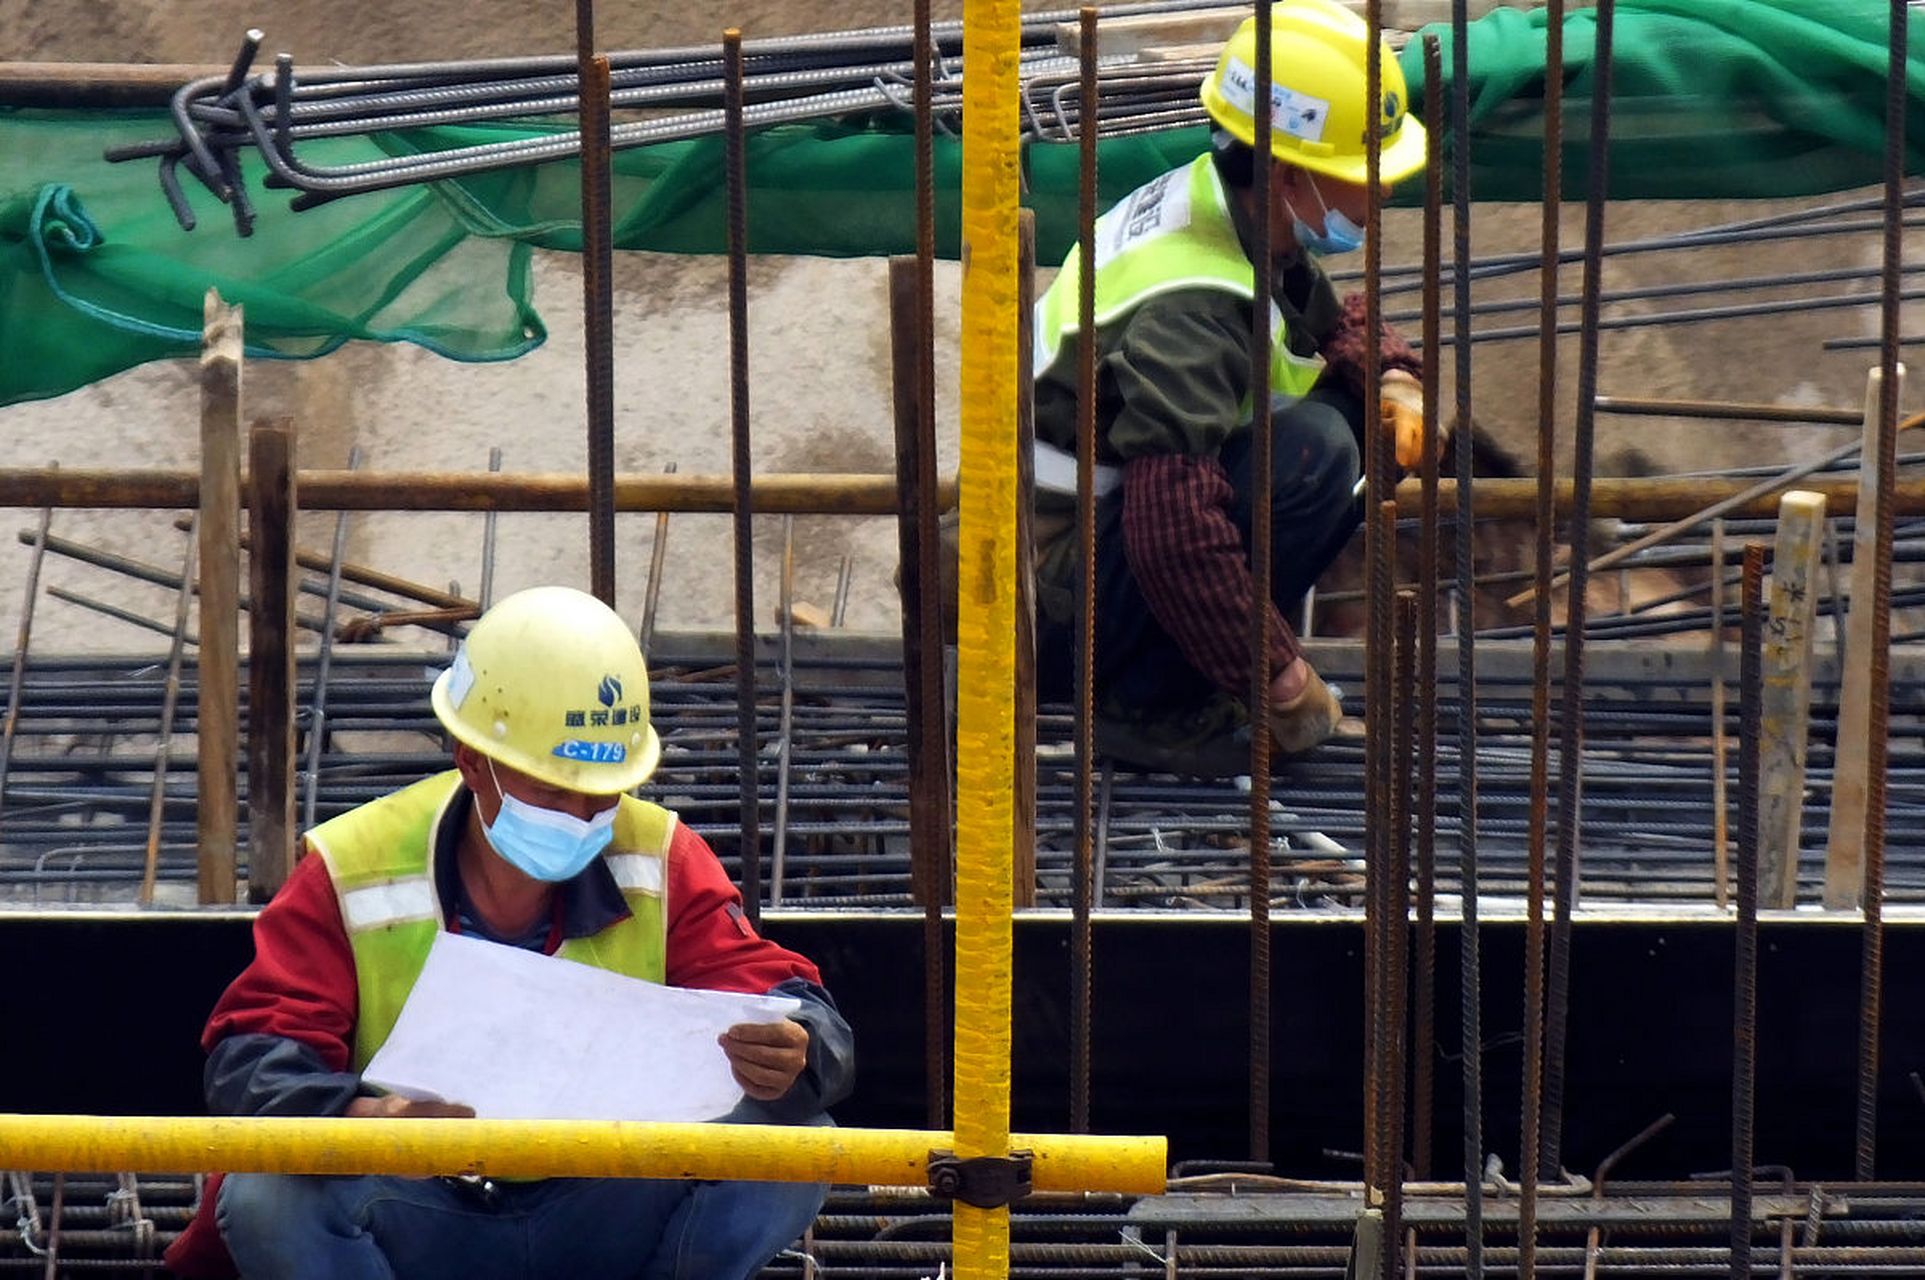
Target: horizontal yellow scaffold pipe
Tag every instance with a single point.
(549, 1149)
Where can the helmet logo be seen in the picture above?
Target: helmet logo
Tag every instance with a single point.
(610, 691)
(1392, 107)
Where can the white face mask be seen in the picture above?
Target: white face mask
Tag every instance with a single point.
(546, 843)
(1339, 234)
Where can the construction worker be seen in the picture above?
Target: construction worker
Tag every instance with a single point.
(529, 841)
(1174, 283)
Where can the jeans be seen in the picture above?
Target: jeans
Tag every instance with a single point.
(303, 1227)
(1315, 462)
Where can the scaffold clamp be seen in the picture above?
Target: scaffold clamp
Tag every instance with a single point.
(987, 1182)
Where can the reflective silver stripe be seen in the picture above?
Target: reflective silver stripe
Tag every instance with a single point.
(376, 905)
(1056, 472)
(636, 872)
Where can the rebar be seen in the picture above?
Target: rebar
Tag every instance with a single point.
(1872, 949)
(1262, 257)
(1082, 895)
(1578, 537)
(1744, 1029)
(1531, 1113)
(736, 163)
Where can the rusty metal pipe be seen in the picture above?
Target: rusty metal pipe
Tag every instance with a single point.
(735, 162)
(1571, 721)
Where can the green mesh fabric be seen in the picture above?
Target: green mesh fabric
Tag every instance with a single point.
(1711, 99)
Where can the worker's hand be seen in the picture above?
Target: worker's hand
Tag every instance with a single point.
(1401, 404)
(392, 1106)
(1303, 710)
(766, 1057)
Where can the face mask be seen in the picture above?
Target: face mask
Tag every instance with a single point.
(544, 843)
(1339, 234)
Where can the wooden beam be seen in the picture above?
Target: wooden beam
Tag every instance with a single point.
(1845, 847)
(340, 490)
(217, 705)
(97, 84)
(1785, 712)
(145, 489)
(1023, 809)
(271, 504)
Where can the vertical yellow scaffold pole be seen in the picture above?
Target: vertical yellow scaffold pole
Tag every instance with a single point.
(985, 647)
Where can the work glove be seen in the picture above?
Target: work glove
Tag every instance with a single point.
(1306, 720)
(1401, 404)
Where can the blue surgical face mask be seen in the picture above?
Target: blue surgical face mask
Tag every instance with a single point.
(545, 843)
(1339, 234)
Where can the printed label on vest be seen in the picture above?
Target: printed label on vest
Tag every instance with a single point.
(1154, 209)
(1297, 114)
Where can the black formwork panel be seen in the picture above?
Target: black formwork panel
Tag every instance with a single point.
(103, 1013)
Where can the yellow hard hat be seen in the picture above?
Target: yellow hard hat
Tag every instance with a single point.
(1318, 117)
(551, 683)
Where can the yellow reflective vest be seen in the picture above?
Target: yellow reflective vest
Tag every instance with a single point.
(1174, 232)
(381, 859)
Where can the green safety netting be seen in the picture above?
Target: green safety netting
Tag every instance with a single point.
(1711, 98)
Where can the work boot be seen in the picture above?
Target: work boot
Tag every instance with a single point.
(1207, 741)
(1307, 720)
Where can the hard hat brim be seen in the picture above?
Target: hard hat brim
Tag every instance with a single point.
(1403, 156)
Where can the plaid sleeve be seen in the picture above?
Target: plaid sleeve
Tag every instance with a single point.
(1190, 562)
(1344, 348)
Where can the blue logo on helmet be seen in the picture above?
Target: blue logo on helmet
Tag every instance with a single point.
(610, 692)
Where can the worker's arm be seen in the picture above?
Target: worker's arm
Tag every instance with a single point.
(1345, 344)
(1181, 372)
(712, 946)
(277, 1041)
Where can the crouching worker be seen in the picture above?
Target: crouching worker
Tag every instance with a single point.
(1175, 284)
(529, 841)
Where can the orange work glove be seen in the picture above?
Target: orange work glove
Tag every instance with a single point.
(1401, 404)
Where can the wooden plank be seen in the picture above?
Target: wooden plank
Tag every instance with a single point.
(1156, 36)
(919, 582)
(1023, 821)
(217, 706)
(1845, 846)
(1791, 617)
(1137, 32)
(271, 504)
(97, 84)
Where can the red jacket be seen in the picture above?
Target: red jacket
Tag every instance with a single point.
(301, 983)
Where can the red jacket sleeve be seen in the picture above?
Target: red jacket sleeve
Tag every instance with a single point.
(711, 944)
(300, 983)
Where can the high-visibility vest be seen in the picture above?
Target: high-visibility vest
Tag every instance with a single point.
(1173, 232)
(381, 859)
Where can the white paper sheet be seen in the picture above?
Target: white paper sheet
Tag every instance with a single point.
(521, 1036)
